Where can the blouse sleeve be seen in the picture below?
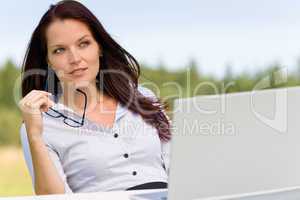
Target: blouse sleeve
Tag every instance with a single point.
(165, 146)
(53, 156)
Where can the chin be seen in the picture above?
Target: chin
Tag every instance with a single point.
(81, 83)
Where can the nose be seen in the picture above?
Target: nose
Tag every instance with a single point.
(74, 57)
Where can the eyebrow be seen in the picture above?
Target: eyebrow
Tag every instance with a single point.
(57, 45)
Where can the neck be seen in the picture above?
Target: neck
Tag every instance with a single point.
(76, 100)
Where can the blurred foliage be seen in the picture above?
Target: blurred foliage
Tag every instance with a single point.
(167, 84)
(190, 81)
(10, 117)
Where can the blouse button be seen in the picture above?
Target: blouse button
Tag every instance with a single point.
(116, 135)
(134, 173)
(125, 155)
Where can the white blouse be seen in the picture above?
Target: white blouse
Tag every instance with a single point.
(94, 158)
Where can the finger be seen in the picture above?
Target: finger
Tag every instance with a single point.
(32, 104)
(31, 100)
(37, 96)
(48, 101)
(33, 93)
(40, 103)
(45, 108)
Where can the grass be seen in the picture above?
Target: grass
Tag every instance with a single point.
(14, 176)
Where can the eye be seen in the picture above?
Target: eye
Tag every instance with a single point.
(58, 51)
(84, 44)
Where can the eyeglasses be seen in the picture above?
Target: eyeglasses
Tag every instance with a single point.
(70, 121)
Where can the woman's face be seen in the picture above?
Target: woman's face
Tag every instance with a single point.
(72, 52)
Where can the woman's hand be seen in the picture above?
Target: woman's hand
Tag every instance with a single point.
(32, 106)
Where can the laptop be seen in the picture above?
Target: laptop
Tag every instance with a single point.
(236, 146)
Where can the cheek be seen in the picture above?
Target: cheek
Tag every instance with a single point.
(93, 61)
(59, 63)
(92, 56)
(94, 68)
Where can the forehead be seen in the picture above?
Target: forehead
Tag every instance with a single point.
(66, 31)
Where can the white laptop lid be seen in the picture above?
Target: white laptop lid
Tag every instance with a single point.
(235, 143)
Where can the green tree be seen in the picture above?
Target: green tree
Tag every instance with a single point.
(8, 76)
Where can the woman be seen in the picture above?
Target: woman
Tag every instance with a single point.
(88, 126)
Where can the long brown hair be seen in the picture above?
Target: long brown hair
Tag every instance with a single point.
(121, 86)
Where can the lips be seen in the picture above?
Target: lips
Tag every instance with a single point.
(78, 71)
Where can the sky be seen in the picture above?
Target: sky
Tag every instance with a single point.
(248, 35)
